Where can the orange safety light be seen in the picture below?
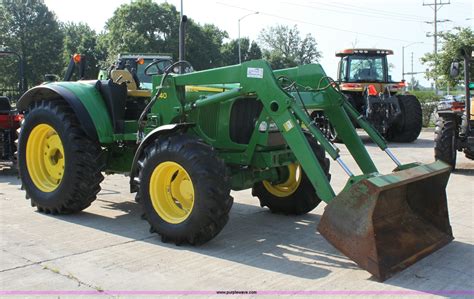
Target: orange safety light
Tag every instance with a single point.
(140, 60)
(18, 118)
(402, 84)
(77, 58)
(372, 90)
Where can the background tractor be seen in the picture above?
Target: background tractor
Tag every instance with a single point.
(10, 117)
(200, 135)
(363, 76)
(454, 126)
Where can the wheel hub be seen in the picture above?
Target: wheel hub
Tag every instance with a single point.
(45, 157)
(289, 186)
(171, 192)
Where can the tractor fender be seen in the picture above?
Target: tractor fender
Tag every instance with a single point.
(155, 133)
(85, 101)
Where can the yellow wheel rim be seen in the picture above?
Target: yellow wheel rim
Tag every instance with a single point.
(289, 186)
(171, 192)
(45, 158)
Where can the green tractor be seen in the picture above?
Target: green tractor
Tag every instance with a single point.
(199, 135)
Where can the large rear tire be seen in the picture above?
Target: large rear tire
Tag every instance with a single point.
(60, 167)
(469, 154)
(409, 127)
(445, 141)
(184, 190)
(297, 195)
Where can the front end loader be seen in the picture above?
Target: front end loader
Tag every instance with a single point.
(205, 133)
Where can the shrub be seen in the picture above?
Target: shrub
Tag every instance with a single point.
(428, 101)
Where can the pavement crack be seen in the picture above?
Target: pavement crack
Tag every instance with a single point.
(72, 277)
(32, 263)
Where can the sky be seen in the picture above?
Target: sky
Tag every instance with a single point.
(334, 24)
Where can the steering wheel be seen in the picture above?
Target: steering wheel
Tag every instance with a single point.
(159, 64)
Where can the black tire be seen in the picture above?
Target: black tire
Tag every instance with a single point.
(445, 140)
(211, 189)
(304, 199)
(409, 127)
(81, 178)
(469, 154)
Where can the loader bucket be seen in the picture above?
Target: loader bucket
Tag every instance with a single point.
(386, 223)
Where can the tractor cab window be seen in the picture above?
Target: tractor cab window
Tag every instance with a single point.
(366, 69)
(342, 69)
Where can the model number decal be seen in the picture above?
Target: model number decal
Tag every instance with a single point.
(255, 72)
(163, 95)
(288, 125)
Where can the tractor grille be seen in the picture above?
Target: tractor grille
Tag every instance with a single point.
(243, 116)
(209, 119)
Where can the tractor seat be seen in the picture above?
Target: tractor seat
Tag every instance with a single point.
(365, 74)
(119, 76)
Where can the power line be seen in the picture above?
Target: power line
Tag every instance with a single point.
(369, 10)
(355, 13)
(313, 24)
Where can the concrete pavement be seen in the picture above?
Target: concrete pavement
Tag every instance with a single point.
(108, 246)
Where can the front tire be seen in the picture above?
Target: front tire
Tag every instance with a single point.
(411, 122)
(469, 154)
(184, 190)
(297, 195)
(59, 165)
(445, 140)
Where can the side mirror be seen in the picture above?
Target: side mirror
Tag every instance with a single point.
(454, 70)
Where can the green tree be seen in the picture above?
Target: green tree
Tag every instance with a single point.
(30, 29)
(80, 38)
(203, 44)
(142, 26)
(284, 47)
(249, 51)
(452, 41)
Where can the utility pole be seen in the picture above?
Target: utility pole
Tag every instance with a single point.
(412, 73)
(412, 77)
(436, 5)
(403, 58)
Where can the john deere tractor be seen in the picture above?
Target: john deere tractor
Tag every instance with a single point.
(363, 76)
(202, 134)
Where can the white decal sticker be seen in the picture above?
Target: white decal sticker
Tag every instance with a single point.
(254, 72)
(288, 125)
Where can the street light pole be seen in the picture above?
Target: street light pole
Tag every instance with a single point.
(238, 39)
